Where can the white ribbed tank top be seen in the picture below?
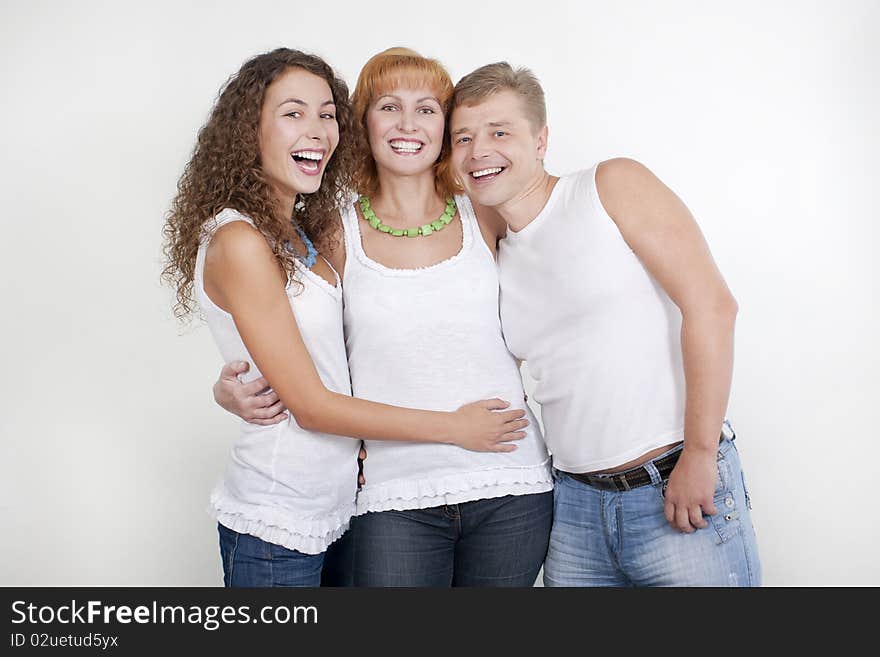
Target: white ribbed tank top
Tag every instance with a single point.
(600, 336)
(430, 338)
(284, 484)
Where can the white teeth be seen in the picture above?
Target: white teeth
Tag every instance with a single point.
(486, 172)
(309, 155)
(409, 146)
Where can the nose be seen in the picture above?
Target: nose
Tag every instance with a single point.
(479, 147)
(316, 129)
(406, 121)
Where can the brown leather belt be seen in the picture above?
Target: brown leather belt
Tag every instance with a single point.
(639, 475)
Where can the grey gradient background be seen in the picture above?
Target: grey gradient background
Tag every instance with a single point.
(761, 115)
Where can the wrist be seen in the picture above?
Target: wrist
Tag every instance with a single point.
(700, 449)
(451, 430)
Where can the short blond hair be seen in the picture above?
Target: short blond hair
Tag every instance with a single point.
(501, 76)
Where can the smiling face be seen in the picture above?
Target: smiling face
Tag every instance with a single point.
(298, 133)
(405, 130)
(497, 153)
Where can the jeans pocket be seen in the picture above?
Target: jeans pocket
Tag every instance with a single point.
(726, 520)
(723, 480)
(660, 489)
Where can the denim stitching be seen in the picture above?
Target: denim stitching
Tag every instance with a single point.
(232, 554)
(748, 558)
(270, 560)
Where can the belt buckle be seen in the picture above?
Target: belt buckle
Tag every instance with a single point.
(623, 482)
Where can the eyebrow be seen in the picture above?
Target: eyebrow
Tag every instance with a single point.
(297, 101)
(491, 124)
(420, 100)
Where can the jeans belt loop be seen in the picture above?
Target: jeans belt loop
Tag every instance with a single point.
(727, 430)
(619, 481)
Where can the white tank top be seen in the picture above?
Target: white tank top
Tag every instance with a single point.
(599, 335)
(430, 338)
(284, 484)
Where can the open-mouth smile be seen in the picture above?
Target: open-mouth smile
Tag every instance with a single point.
(308, 161)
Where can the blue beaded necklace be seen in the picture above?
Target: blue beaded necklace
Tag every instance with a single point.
(311, 257)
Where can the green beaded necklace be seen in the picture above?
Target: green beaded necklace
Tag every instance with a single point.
(427, 229)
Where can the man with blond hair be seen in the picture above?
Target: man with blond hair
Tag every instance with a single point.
(610, 294)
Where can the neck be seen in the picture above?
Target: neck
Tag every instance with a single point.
(284, 207)
(519, 211)
(406, 199)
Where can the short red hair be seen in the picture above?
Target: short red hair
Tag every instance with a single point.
(391, 69)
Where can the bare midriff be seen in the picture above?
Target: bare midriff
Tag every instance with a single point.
(644, 458)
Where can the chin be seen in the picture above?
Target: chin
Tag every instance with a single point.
(485, 197)
(310, 186)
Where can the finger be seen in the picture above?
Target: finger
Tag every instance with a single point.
(695, 515)
(233, 369)
(513, 435)
(502, 447)
(268, 412)
(516, 425)
(254, 387)
(669, 512)
(709, 509)
(268, 399)
(511, 416)
(682, 520)
(494, 404)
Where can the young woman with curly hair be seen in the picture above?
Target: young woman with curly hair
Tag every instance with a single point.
(255, 197)
(422, 328)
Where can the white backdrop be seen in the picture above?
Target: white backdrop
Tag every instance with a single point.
(761, 115)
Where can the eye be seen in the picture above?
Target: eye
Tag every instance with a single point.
(462, 140)
(500, 133)
(388, 108)
(294, 114)
(427, 110)
(328, 115)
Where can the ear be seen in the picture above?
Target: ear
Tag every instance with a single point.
(541, 143)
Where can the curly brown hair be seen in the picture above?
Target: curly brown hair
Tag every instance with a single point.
(390, 69)
(225, 172)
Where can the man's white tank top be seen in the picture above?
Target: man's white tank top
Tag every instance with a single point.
(430, 338)
(600, 336)
(284, 484)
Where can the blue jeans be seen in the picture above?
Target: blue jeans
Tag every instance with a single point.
(339, 560)
(609, 538)
(500, 541)
(250, 562)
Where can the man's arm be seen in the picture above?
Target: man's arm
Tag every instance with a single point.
(664, 235)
